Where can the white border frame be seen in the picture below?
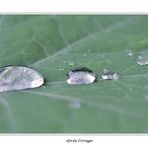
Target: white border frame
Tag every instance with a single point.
(73, 6)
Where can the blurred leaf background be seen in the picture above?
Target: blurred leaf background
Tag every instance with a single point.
(53, 45)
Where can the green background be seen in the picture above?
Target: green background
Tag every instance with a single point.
(53, 45)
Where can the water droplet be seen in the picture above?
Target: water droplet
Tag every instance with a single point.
(74, 104)
(70, 63)
(142, 60)
(109, 74)
(18, 78)
(129, 52)
(80, 76)
(60, 68)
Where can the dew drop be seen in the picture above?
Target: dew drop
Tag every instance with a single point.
(80, 76)
(142, 60)
(61, 69)
(70, 63)
(19, 78)
(109, 74)
(129, 52)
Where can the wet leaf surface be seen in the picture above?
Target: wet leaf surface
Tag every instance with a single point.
(49, 44)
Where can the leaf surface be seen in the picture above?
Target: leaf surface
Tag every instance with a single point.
(50, 44)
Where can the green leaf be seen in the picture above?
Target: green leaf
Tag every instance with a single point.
(49, 44)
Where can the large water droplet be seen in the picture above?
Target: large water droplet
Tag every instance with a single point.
(109, 74)
(80, 76)
(142, 60)
(18, 78)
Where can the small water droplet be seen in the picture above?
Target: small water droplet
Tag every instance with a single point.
(80, 76)
(142, 60)
(109, 74)
(18, 78)
(74, 104)
(70, 63)
(61, 69)
(129, 52)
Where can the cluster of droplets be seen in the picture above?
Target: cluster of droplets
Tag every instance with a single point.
(87, 76)
(20, 77)
(141, 59)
